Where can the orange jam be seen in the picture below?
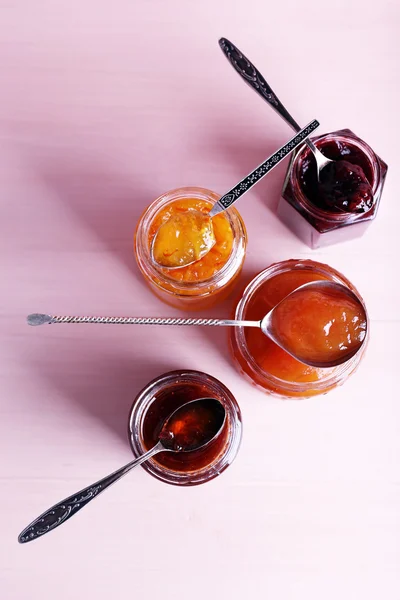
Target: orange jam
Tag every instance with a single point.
(268, 365)
(210, 279)
(320, 325)
(180, 213)
(183, 239)
(265, 352)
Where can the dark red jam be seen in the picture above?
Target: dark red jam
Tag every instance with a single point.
(165, 402)
(345, 185)
(316, 223)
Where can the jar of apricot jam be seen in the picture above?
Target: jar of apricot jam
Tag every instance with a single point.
(300, 206)
(157, 401)
(206, 281)
(259, 358)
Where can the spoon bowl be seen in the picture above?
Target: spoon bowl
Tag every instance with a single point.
(172, 235)
(312, 354)
(193, 426)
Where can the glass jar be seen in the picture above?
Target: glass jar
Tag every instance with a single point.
(314, 225)
(174, 287)
(261, 360)
(157, 401)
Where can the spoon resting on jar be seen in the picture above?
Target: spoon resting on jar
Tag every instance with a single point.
(188, 236)
(341, 185)
(321, 323)
(190, 427)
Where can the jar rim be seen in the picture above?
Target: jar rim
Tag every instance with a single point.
(336, 375)
(345, 136)
(159, 276)
(143, 402)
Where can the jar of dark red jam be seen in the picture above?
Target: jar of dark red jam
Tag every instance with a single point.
(299, 207)
(157, 401)
(265, 364)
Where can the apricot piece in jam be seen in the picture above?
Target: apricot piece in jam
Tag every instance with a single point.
(182, 213)
(320, 325)
(267, 355)
(183, 239)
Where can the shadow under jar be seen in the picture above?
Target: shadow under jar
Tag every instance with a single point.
(157, 401)
(299, 208)
(209, 280)
(259, 358)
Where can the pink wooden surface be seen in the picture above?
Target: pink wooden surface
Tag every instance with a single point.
(103, 106)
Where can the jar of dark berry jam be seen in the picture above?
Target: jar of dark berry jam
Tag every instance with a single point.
(159, 399)
(301, 207)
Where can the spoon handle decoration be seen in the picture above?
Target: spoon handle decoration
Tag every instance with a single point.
(67, 508)
(254, 79)
(42, 319)
(254, 177)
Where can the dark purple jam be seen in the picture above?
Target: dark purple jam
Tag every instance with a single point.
(345, 185)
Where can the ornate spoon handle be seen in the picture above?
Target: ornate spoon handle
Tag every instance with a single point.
(41, 319)
(67, 508)
(254, 79)
(245, 184)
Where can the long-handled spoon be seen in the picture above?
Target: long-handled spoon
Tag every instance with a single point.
(254, 79)
(190, 427)
(310, 336)
(343, 187)
(172, 249)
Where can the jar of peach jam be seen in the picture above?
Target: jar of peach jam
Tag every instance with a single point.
(206, 281)
(259, 358)
(299, 207)
(157, 401)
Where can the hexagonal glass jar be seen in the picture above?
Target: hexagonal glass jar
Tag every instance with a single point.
(316, 226)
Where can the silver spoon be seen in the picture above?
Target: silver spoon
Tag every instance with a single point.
(238, 190)
(254, 79)
(170, 440)
(267, 323)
